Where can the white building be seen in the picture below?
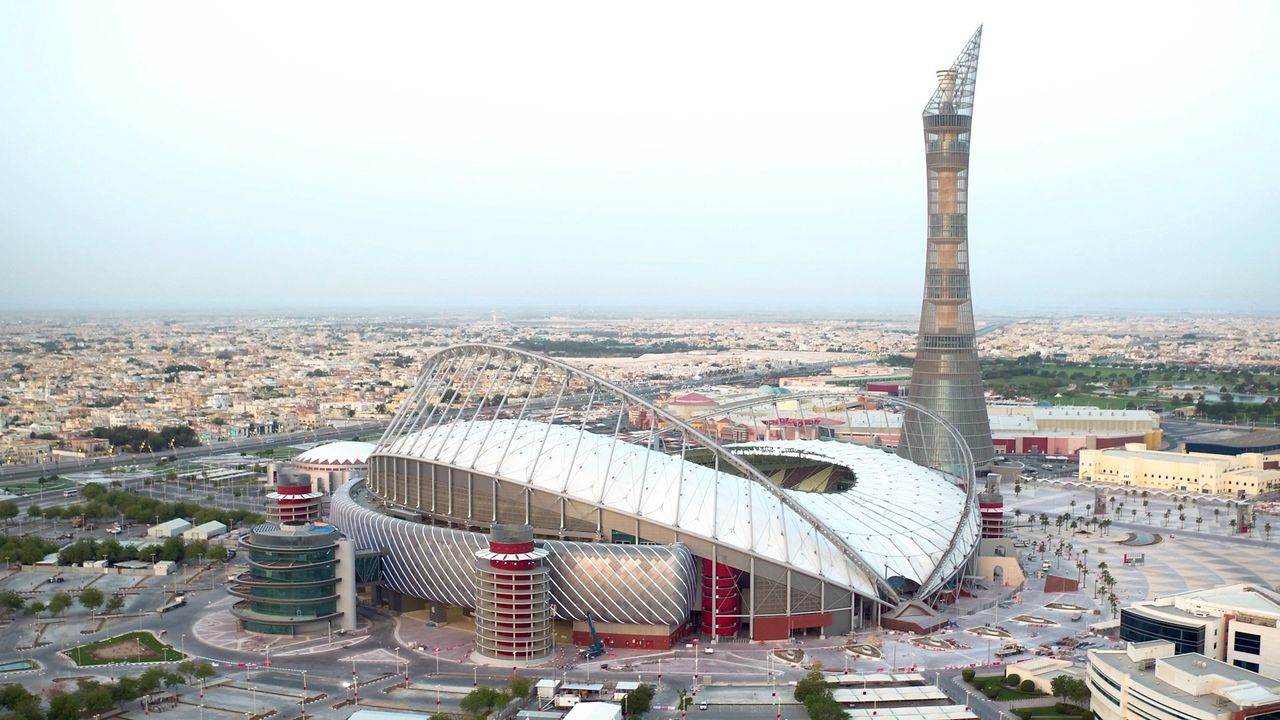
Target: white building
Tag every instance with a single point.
(332, 464)
(595, 711)
(1236, 624)
(1146, 680)
(205, 531)
(169, 529)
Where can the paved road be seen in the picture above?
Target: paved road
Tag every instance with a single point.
(260, 442)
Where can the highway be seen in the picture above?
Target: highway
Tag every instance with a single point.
(249, 444)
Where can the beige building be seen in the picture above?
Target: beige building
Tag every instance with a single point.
(1147, 680)
(1042, 670)
(1242, 475)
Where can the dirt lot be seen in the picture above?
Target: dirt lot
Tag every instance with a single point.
(124, 650)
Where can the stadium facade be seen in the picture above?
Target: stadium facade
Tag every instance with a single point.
(945, 376)
(652, 533)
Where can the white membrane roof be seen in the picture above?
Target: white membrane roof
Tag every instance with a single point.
(899, 515)
(345, 452)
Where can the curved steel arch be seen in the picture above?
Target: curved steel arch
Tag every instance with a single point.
(431, 376)
(965, 460)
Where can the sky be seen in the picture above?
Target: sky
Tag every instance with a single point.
(637, 157)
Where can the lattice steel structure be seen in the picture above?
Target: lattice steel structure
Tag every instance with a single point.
(946, 376)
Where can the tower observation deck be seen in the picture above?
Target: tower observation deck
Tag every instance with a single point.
(946, 377)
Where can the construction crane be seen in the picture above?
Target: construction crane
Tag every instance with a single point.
(596, 648)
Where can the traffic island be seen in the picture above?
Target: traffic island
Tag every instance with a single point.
(134, 647)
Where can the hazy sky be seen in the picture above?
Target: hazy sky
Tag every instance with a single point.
(608, 155)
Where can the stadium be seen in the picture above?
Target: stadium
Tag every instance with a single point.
(652, 534)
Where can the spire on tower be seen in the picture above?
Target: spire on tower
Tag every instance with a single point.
(954, 95)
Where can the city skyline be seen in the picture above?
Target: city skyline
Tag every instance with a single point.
(593, 161)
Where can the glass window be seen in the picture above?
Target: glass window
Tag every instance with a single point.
(1250, 666)
(1137, 628)
(1248, 643)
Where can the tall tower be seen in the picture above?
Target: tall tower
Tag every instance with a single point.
(946, 377)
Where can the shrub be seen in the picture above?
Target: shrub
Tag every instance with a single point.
(968, 674)
(991, 692)
(1012, 679)
(1027, 686)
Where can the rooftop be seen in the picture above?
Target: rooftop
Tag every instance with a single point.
(1240, 688)
(1243, 440)
(346, 452)
(1250, 598)
(1158, 456)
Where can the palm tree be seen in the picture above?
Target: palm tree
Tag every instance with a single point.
(1182, 517)
(1266, 529)
(1216, 513)
(1199, 522)
(1232, 524)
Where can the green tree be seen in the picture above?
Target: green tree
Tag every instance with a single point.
(59, 603)
(216, 552)
(115, 602)
(11, 601)
(479, 702)
(638, 701)
(34, 511)
(64, 706)
(92, 599)
(35, 608)
(519, 686)
(8, 511)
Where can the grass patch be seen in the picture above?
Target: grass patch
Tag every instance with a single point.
(134, 647)
(1057, 711)
(282, 453)
(1006, 692)
(29, 487)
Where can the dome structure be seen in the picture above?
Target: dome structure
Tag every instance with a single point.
(330, 465)
(337, 455)
(496, 435)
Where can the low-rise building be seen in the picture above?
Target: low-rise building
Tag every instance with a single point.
(205, 531)
(1149, 681)
(172, 528)
(1235, 624)
(1042, 670)
(1243, 475)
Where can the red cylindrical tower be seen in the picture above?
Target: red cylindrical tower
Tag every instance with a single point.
(513, 617)
(293, 500)
(721, 599)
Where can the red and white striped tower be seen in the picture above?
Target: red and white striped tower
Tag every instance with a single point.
(293, 500)
(513, 615)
